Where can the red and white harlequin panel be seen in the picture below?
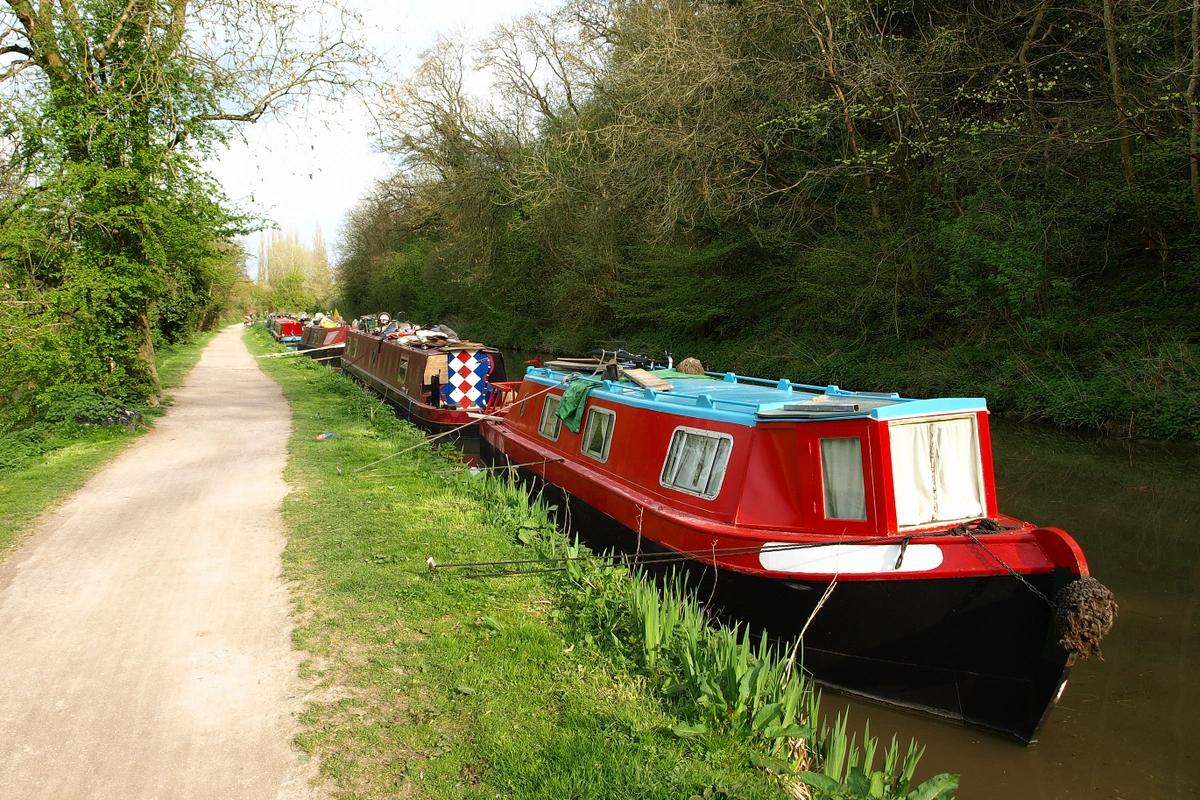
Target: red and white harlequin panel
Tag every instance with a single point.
(466, 377)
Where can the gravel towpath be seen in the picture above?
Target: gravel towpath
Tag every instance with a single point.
(144, 626)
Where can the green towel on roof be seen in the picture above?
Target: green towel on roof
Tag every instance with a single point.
(674, 374)
(570, 408)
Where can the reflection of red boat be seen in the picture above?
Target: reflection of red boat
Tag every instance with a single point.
(437, 383)
(327, 339)
(940, 603)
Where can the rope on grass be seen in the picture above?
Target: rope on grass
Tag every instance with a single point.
(469, 469)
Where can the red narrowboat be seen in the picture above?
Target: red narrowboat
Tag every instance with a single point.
(329, 343)
(284, 328)
(431, 380)
(940, 602)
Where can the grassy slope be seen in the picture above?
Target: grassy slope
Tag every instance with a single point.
(441, 688)
(27, 492)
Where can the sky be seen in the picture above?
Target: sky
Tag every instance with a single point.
(309, 167)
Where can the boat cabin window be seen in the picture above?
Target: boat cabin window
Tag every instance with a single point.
(936, 471)
(597, 433)
(402, 370)
(842, 478)
(352, 347)
(550, 424)
(696, 462)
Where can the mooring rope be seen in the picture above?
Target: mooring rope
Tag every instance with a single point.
(466, 468)
(455, 429)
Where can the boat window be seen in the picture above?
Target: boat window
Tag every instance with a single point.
(597, 433)
(550, 424)
(352, 347)
(696, 461)
(402, 370)
(842, 478)
(936, 471)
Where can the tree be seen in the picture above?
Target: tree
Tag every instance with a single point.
(112, 103)
(284, 257)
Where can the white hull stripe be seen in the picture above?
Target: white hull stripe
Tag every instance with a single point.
(848, 558)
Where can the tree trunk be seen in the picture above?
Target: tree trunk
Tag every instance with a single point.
(1194, 105)
(145, 353)
(1118, 91)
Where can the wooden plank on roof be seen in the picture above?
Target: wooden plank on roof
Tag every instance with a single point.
(647, 380)
(576, 364)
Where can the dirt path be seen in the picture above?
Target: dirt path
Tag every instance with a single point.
(144, 631)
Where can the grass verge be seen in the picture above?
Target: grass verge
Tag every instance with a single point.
(46, 464)
(558, 685)
(443, 688)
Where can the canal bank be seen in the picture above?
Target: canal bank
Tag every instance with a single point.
(427, 683)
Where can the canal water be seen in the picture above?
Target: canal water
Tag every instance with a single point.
(1127, 726)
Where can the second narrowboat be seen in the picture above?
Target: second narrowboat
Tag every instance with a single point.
(428, 375)
(325, 337)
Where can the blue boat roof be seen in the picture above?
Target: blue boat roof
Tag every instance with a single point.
(744, 400)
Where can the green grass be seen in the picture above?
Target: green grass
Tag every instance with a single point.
(435, 686)
(64, 458)
(588, 682)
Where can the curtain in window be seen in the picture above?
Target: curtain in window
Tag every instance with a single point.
(549, 424)
(912, 473)
(936, 471)
(842, 476)
(696, 462)
(598, 426)
(957, 483)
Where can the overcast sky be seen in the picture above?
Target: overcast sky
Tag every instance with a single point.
(309, 168)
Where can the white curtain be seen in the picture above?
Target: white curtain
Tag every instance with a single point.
(550, 422)
(696, 462)
(598, 425)
(936, 471)
(957, 483)
(912, 473)
(842, 476)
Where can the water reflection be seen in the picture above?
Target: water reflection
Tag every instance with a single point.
(1126, 726)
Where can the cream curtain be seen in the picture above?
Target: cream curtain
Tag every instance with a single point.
(599, 424)
(842, 476)
(936, 471)
(696, 462)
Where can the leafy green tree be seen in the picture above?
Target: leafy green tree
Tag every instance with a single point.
(111, 230)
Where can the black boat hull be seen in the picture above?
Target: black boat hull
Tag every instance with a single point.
(981, 650)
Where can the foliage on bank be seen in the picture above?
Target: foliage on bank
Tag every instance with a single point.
(113, 239)
(923, 197)
(570, 684)
(46, 461)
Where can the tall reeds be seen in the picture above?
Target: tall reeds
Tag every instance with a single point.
(719, 679)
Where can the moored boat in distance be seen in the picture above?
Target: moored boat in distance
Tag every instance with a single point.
(325, 336)
(285, 328)
(938, 602)
(428, 375)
